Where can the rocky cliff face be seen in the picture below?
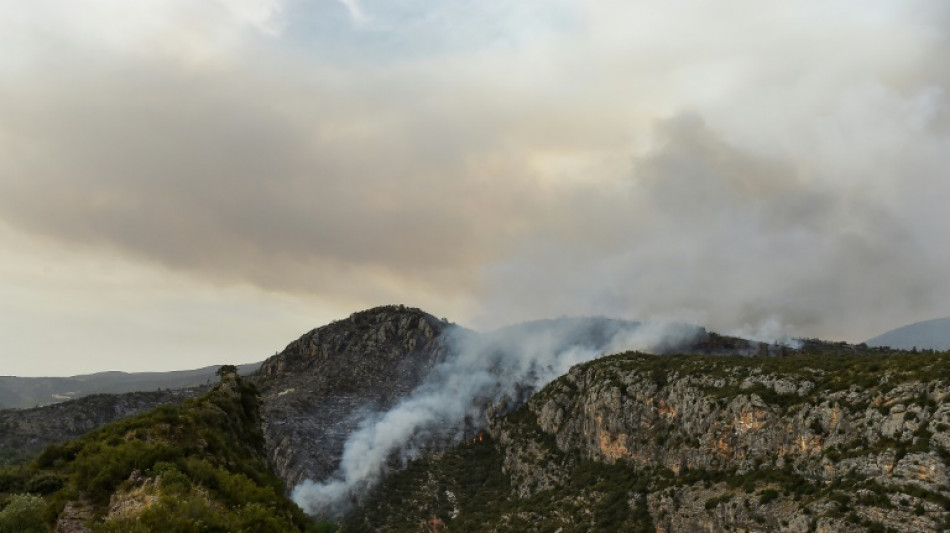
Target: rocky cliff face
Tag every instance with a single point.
(322, 386)
(319, 388)
(842, 445)
(825, 440)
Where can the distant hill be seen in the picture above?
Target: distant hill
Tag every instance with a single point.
(926, 335)
(18, 393)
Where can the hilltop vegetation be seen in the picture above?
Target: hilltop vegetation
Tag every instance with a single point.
(195, 467)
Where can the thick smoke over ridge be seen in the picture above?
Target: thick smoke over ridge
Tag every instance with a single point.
(481, 369)
(494, 161)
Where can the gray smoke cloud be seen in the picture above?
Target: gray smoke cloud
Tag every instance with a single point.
(709, 231)
(482, 369)
(744, 166)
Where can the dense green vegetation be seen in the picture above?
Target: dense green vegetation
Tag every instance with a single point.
(23, 513)
(198, 467)
(14, 456)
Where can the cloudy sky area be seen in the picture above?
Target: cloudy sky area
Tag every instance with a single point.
(188, 182)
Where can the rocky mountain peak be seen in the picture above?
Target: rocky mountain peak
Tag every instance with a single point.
(318, 389)
(382, 335)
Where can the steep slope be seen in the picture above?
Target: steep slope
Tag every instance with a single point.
(25, 432)
(321, 386)
(827, 440)
(351, 400)
(927, 335)
(316, 391)
(197, 467)
(19, 393)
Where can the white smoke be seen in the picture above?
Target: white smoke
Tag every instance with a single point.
(770, 330)
(480, 369)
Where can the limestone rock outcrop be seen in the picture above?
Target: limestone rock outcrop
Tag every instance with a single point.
(317, 390)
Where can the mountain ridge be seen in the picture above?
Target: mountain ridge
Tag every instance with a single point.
(719, 434)
(931, 334)
(24, 392)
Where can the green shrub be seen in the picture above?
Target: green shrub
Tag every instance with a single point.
(45, 483)
(13, 478)
(23, 514)
(767, 496)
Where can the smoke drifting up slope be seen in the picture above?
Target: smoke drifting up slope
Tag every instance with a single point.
(481, 369)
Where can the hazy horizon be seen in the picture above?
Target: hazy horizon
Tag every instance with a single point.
(190, 183)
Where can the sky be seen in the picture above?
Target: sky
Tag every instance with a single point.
(195, 182)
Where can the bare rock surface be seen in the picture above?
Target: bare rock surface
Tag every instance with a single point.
(317, 390)
(852, 453)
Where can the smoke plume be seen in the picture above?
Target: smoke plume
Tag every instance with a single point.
(711, 163)
(507, 364)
